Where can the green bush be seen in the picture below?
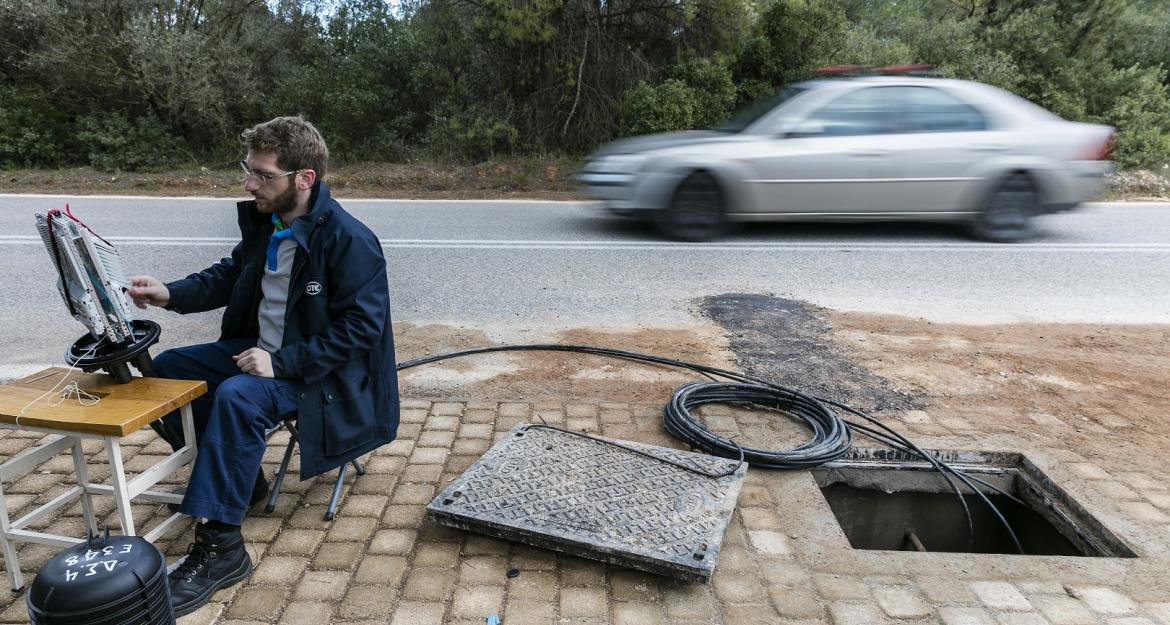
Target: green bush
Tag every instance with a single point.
(470, 135)
(659, 108)
(114, 143)
(31, 130)
(698, 93)
(1141, 113)
(864, 45)
(791, 38)
(712, 92)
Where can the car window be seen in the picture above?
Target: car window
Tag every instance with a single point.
(863, 112)
(751, 113)
(926, 109)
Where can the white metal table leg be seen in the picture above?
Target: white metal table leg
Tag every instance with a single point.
(11, 562)
(118, 481)
(188, 417)
(79, 466)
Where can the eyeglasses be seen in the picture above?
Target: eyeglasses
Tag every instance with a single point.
(264, 178)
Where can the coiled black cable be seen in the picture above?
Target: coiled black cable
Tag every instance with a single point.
(831, 438)
(832, 435)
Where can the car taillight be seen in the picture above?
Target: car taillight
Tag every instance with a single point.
(1101, 151)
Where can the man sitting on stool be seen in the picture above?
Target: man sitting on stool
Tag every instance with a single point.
(306, 335)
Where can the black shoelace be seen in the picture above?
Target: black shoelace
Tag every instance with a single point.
(197, 558)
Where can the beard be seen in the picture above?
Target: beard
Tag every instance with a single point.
(281, 204)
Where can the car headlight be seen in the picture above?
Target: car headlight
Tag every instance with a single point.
(620, 163)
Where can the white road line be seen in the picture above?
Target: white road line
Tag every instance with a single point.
(839, 247)
(24, 238)
(504, 244)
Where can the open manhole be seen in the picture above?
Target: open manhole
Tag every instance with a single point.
(890, 500)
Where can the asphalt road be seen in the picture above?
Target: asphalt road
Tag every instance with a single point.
(522, 269)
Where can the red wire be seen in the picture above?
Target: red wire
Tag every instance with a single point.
(69, 214)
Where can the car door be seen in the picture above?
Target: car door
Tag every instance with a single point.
(940, 140)
(825, 163)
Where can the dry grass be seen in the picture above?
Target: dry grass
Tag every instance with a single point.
(540, 178)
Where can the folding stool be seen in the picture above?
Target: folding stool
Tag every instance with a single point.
(330, 511)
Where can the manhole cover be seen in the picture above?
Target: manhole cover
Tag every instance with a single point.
(582, 495)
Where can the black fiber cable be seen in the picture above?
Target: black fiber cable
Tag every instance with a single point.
(832, 435)
(943, 469)
(831, 438)
(895, 441)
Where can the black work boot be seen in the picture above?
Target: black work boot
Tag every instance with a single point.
(260, 492)
(217, 559)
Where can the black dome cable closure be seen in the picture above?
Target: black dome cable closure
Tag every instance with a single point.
(832, 435)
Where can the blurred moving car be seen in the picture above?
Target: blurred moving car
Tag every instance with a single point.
(871, 147)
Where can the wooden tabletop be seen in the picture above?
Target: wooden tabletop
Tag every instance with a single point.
(123, 409)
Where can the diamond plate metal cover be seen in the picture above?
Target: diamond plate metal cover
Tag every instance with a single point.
(558, 490)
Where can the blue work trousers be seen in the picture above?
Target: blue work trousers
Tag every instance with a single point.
(230, 422)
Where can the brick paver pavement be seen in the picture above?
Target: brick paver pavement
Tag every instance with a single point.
(784, 561)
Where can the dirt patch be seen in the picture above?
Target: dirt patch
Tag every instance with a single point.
(1098, 389)
(791, 343)
(555, 376)
(1095, 390)
(518, 178)
(1074, 382)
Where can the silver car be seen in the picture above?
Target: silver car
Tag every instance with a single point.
(863, 148)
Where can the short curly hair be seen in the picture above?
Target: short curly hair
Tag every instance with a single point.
(296, 143)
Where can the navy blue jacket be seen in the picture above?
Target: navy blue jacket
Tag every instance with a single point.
(337, 335)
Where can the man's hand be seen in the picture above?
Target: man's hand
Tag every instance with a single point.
(255, 361)
(148, 290)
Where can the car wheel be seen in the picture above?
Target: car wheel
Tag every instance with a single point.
(1008, 212)
(697, 211)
